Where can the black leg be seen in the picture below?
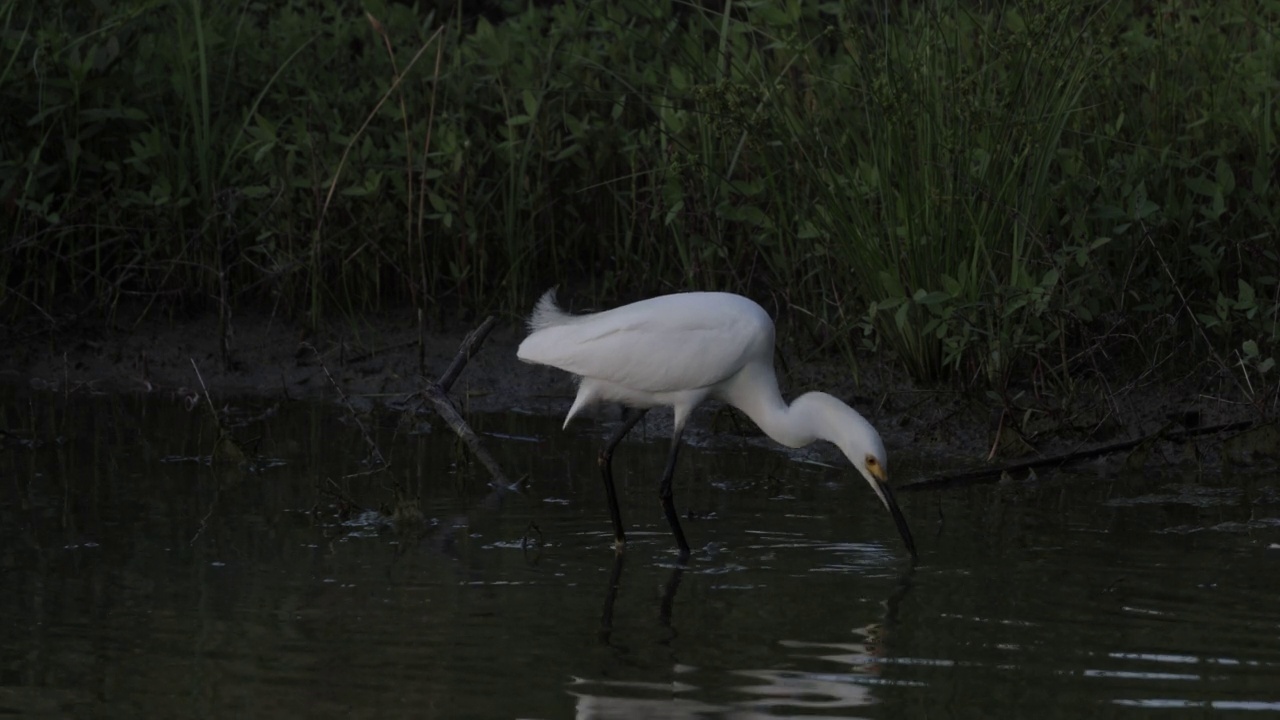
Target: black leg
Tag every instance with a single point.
(629, 421)
(606, 616)
(669, 595)
(665, 495)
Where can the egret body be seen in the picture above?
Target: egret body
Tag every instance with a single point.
(678, 350)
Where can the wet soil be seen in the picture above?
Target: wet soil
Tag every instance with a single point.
(379, 362)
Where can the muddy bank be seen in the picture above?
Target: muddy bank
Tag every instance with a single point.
(376, 360)
(379, 362)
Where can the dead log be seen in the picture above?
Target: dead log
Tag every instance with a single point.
(995, 472)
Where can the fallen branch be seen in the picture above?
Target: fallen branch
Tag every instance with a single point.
(444, 408)
(993, 473)
(470, 345)
(435, 393)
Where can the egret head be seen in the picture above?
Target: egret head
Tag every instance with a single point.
(873, 468)
(864, 448)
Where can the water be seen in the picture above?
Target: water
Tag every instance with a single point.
(137, 581)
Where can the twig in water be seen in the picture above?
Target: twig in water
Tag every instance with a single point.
(226, 447)
(345, 503)
(204, 387)
(374, 452)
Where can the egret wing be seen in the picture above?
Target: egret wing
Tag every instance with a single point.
(675, 342)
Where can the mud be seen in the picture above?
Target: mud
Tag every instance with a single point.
(377, 362)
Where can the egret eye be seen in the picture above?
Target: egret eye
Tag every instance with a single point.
(871, 461)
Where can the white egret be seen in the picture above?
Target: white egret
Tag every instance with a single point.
(678, 350)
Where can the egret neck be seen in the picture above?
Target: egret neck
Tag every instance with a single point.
(812, 416)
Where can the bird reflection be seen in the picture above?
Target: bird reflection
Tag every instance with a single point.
(838, 685)
(665, 605)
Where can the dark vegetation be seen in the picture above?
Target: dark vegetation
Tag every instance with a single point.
(1051, 191)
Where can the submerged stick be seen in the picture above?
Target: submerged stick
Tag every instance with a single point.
(435, 393)
(992, 473)
(444, 408)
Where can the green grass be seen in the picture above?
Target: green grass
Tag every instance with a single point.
(939, 199)
(985, 190)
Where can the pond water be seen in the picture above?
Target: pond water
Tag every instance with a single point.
(137, 581)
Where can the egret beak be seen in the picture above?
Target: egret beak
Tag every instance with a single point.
(880, 484)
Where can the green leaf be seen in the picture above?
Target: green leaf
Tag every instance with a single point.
(570, 151)
(1014, 20)
(890, 285)
(951, 285)
(772, 15)
(369, 187)
(1246, 293)
(1226, 179)
(870, 175)
(679, 78)
(1115, 127)
(1209, 321)
(1201, 186)
(745, 213)
(674, 212)
(930, 298)
(900, 317)
(1015, 304)
(1143, 206)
